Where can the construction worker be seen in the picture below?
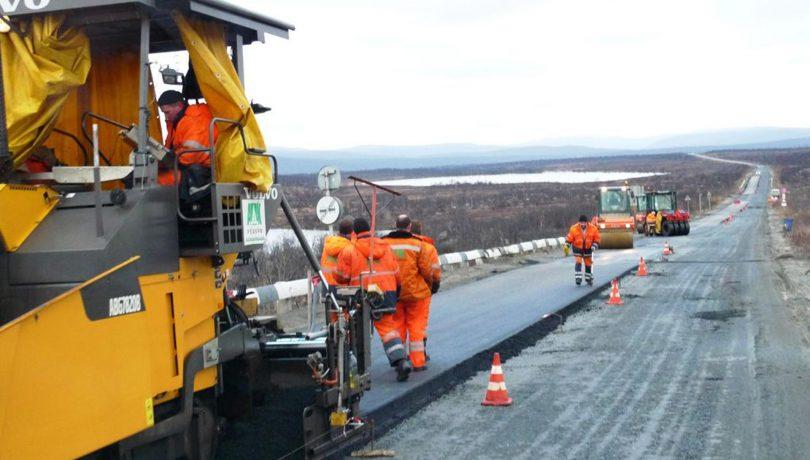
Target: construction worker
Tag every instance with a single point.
(436, 273)
(414, 297)
(584, 239)
(649, 228)
(332, 245)
(187, 129)
(369, 262)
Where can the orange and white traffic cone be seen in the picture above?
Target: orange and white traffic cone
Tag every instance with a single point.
(496, 390)
(615, 297)
(667, 250)
(642, 267)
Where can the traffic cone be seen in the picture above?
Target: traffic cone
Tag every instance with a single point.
(667, 250)
(642, 267)
(496, 390)
(615, 297)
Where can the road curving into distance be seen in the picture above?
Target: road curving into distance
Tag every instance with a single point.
(702, 360)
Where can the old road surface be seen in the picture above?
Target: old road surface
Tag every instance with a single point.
(702, 360)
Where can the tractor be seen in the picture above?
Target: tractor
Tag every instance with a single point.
(669, 220)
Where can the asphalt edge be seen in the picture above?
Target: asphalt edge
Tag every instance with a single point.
(389, 416)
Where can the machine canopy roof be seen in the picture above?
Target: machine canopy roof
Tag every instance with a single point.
(119, 20)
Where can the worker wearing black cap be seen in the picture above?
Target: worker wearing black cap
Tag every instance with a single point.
(583, 237)
(187, 129)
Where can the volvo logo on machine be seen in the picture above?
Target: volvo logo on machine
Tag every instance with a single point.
(125, 304)
(11, 6)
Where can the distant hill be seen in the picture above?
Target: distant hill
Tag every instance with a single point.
(302, 161)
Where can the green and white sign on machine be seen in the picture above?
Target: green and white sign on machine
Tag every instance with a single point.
(254, 227)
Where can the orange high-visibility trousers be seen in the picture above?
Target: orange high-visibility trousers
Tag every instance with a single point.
(415, 315)
(389, 327)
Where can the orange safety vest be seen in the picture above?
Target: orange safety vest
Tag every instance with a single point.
(414, 264)
(353, 266)
(332, 246)
(582, 242)
(192, 127)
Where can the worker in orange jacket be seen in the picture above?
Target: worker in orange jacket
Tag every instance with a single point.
(369, 262)
(435, 274)
(414, 297)
(332, 245)
(583, 238)
(187, 129)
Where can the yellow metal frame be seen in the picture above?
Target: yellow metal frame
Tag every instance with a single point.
(26, 206)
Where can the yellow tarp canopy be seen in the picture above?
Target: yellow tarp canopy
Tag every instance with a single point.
(220, 86)
(39, 71)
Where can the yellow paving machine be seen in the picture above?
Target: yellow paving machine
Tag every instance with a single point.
(118, 338)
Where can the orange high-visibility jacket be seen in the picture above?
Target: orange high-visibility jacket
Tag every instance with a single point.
(353, 262)
(433, 253)
(582, 242)
(332, 245)
(414, 264)
(190, 132)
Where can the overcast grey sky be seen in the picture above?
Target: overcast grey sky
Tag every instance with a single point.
(362, 72)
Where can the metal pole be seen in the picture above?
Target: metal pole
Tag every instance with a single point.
(143, 105)
(700, 203)
(239, 58)
(97, 183)
(310, 312)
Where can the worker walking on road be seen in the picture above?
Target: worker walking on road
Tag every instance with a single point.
(584, 239)
(415, 266)
(436, 271)
(369, 262)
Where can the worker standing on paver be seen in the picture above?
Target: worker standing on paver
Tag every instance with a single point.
(369, 262)
(436, 271)
(414, 297)
(584, 239)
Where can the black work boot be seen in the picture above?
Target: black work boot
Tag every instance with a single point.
(427, 356)
(404, 369)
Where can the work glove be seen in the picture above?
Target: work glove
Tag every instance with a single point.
(434, 288)
(594, 247)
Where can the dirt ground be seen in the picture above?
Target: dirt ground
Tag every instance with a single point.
(793, 270)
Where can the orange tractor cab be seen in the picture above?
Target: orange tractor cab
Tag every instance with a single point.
(669, 220)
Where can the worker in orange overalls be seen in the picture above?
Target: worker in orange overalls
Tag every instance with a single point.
(583, 238)
(187, 129)
(376, 270)
(436, 271)
(414, 296)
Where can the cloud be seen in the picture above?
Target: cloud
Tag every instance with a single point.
(360, 72)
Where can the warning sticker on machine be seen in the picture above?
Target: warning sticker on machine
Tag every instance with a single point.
(254, 227)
